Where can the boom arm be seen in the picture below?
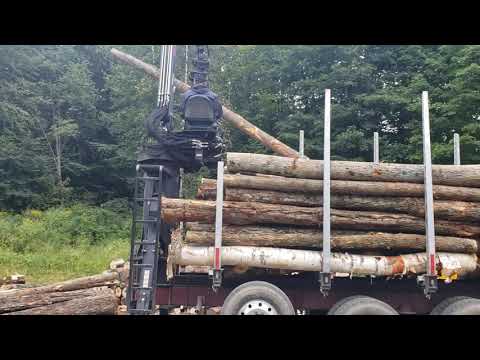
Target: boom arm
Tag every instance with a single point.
(201, 64)
(159, 167)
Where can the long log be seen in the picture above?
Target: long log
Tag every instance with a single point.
(455, 175)
(343, 187)
(447, 264)
(17, 302)
(86, 282)
(244, 213)
(285, 237)
(233, 118)
(448, 210)
(101, 304)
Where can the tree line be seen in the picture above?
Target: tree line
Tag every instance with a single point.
(71, 118)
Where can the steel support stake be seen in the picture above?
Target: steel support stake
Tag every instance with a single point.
(301, 145)
(430, 279)
(376, 151)
(325, 275)
(217, 263)
(456, 149)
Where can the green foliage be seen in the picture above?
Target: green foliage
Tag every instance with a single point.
(374, 88)
(119, 206)
(352, 144)
(77, 101)
(76, 226)
(53, 264)
(190, 183)
(62, 243)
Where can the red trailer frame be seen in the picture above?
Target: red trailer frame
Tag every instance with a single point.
(404, 295)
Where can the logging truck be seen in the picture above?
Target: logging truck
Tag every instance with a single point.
(257, 252)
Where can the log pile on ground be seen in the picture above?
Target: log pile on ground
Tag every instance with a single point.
(92, 295)
(272, 217)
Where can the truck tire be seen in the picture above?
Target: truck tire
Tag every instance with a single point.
(257, 298)
(363, 305)
(334, 308)
(438, 310)
(463, 307)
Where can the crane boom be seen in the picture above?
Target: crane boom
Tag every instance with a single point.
(159, 166)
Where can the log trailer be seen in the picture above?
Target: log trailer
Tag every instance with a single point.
(199, 144)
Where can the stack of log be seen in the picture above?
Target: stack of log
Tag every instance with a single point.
(272, 217)
(92, 295)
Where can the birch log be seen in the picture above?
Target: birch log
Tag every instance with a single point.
(342, 187)
(290, 237)
(449, 210)
(306, 260)
(233, 118)
(454, 175)
(244, 213)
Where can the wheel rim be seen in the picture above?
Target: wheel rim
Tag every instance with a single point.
(258, 307)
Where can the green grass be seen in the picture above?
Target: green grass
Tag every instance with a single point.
(62, 243)
(58, 264)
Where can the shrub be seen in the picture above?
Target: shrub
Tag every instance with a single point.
(62, 243)
(120, 206)
(75, 226)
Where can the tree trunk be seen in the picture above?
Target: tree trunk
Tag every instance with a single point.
(100, 304)
(236, 120)
(235, 235)
(243, 213)
(16, 302)
(342, 187)
(104, 279)
(448, 210)
(455, 175)
(306, 260)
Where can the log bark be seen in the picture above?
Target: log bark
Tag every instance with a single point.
(100, 304)
(195, 269)
(454, 175)
(117, 290)
(448, 210)
(104, 279)
(290, 237)
(17, 302)
(233, 118)
(123, 300)
(342, 187)
(243, 213)
(447, 264)
(122, 310)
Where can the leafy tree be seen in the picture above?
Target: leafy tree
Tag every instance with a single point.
(71, 118)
